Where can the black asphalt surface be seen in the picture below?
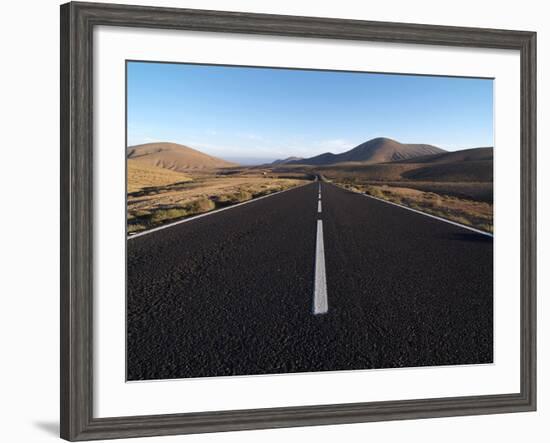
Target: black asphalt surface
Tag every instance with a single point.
(232, 293)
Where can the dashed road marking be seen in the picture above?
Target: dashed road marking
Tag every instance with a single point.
(320, 299)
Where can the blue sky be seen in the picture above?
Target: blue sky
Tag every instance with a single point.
(253, 115)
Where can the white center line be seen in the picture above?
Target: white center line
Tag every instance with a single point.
(320, 302)
(319, 206)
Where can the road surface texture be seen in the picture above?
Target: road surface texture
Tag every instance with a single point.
(242, 291)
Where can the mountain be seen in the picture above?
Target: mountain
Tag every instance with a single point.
(468, 165)
(175, 157)
(377, 150)
(284, 161)
(465, 155)
(328, 158)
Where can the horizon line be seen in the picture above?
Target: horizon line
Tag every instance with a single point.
(276, 158)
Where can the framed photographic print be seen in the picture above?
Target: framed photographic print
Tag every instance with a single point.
(272, 221)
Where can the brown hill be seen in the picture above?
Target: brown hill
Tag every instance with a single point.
(469, 165)
(380, 150)
(377, 150)
(175, 157)
(465, 155)
(142, 176)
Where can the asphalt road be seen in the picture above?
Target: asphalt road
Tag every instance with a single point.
(232, 293)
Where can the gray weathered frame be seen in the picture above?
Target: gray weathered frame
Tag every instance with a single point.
(77, 23)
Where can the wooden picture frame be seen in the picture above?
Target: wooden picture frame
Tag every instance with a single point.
(77, 23)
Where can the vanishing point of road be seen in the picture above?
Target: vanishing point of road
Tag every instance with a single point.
(316, 278)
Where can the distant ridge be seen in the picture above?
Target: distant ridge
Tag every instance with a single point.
(467, 165)
(174, 157)
(464, 155)
(284, 161)
(377, 150)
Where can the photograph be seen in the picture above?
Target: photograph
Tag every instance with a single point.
(283, 220)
